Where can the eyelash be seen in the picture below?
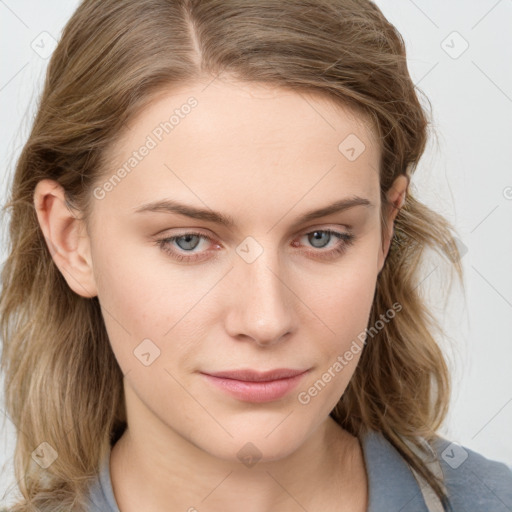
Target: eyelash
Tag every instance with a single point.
(345, 241)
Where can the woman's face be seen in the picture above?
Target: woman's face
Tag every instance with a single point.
(269, 291)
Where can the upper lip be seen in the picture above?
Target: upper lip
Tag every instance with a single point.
(249, 375)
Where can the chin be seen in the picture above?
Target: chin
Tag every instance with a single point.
(254, 442)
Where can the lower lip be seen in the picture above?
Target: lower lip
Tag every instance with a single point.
(256, 392)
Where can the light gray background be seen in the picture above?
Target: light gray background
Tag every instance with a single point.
(466, 176)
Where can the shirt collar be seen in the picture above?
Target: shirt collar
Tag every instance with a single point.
(392, 486)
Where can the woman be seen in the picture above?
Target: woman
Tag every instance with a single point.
(211, 299)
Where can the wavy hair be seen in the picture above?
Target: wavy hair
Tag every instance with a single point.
(63, 385)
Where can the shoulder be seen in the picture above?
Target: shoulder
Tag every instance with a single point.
(473, 481)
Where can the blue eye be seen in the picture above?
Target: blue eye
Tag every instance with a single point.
(319, 239)
(184, 242)
(318, 235)
(185, 239)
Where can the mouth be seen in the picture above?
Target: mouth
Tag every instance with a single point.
(254, 386)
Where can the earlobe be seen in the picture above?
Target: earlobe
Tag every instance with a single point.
(65, 237)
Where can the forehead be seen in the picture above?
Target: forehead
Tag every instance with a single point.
(228, 141)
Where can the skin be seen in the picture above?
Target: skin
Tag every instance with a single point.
(264, 156)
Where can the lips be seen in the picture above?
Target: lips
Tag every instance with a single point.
(255, 386)
(257, 376)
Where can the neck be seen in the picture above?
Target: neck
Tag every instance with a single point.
(170, 473)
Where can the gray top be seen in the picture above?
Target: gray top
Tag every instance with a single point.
(474, 483)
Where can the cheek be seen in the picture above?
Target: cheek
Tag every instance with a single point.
(144, 297)
(342, 303)
(135, 300)
(345, 310)
(344, 297)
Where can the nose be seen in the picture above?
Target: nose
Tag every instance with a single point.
(262, 305)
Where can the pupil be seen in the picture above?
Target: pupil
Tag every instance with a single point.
(187, 239)
(318, 235)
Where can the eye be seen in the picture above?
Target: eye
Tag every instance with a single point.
(181, 247)
(187, 242)
(320, 238)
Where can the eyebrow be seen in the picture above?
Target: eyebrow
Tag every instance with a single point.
(173, 206)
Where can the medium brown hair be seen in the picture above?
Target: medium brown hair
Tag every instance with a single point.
(63, 385)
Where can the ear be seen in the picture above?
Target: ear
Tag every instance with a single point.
(66, 237)
(395, 200)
